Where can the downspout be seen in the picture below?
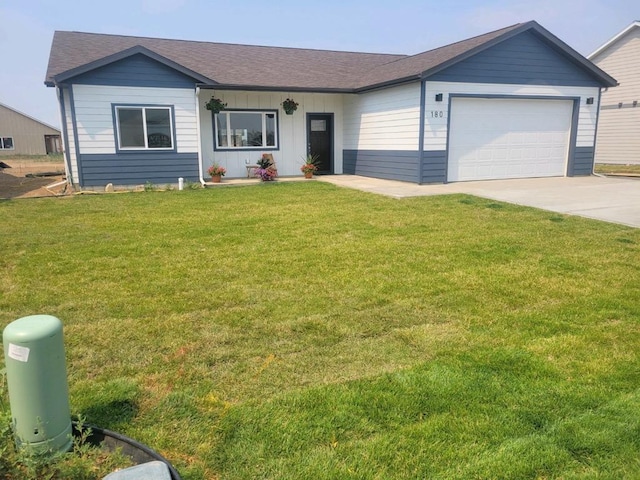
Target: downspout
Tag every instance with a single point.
(423, 87)
(595, 135)
(199, 137)
(65, 139)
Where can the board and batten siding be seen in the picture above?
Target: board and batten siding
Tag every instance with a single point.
(381, 133)
(96, 139)
(619, 126)
(292, 129)
(437, 119)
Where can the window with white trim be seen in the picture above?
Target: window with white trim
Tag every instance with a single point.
(144, 128)
(246, 130)
(6, 143)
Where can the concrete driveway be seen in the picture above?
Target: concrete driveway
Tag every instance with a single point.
(615, 200)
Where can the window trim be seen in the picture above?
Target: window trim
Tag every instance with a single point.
(13, 143)
(264, 148)
(116, 127)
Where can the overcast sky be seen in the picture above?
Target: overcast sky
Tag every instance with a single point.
(401, 26)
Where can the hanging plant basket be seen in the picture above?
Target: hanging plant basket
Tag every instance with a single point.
(289, 106)
(215, 105)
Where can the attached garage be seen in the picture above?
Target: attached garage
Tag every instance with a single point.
(498, 138)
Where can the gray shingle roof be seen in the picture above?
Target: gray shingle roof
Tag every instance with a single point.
(261, 67)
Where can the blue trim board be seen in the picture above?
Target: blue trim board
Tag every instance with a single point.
(388, 164)
(137, 168)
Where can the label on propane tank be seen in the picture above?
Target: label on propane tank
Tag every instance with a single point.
(18, 353)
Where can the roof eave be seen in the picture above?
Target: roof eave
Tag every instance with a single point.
(613, 40)
(272, 88)
(121, 55)
(387, 84)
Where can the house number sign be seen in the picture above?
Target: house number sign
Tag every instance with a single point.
(437, 114)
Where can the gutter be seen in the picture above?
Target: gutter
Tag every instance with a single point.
(595, 135)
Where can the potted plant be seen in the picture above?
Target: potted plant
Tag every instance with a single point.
(215, 105)
(267, 170)
(216, 172)
(310, 165)
(289, 106)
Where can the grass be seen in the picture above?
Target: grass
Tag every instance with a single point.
(300, 330)
(613, 169)
(52, 157)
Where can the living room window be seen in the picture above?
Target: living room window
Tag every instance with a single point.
(6, 143)
(246, 130)
(144, 128)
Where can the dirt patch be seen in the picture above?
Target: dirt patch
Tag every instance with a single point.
(21, 180)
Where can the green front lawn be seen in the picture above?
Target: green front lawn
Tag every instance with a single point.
(300, 330)
(613, 169)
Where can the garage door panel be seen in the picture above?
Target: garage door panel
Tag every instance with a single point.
(508, 138)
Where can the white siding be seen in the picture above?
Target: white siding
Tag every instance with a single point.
(619, 128)
(292, 130)
(436, 125)
(386, 119)
(94, 115)
(71, 147)
(619, 136)
(622, 61)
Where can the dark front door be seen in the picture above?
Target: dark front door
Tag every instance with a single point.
(320, 140)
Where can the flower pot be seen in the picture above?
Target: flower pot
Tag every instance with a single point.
(308, 174)
(289, 112)
(216, 178)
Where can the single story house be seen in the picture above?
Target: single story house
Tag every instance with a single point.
(516, 102)
(21, 134)
(618, 138)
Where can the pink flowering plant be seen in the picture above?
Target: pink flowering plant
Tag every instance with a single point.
(310, 164)
(267, 170)
(215, 170)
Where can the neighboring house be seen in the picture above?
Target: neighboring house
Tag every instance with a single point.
(619, 125)
(516, 102)
(21, 134)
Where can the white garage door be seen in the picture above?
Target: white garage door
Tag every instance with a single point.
(493, 138)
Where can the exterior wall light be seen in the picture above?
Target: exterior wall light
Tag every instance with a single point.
(438, 97)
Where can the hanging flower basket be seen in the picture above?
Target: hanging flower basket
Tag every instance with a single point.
(289, 106)
(215, 105)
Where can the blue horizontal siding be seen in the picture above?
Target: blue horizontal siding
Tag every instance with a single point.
(582, 162)
(158, 168)
(387, 164)
(434, 166)
(136, 71)
(523, 59)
